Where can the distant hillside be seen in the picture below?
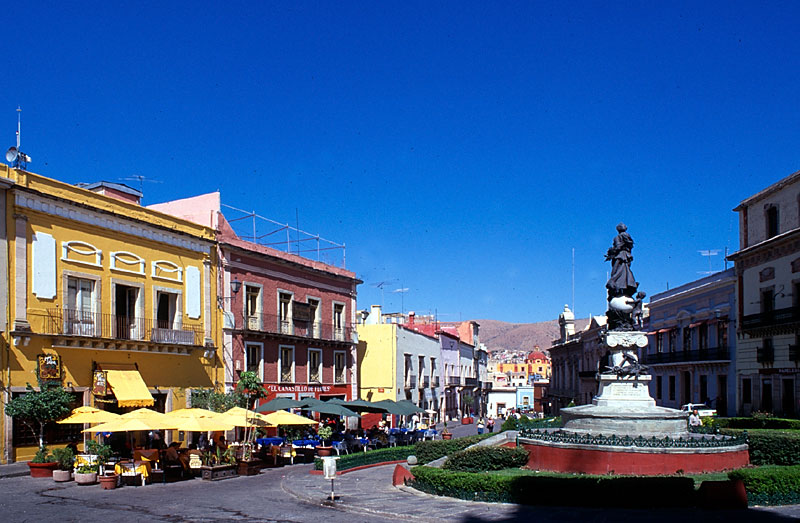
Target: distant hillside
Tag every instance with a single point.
(499, 335)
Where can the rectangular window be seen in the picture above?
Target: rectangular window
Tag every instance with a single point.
(314, 366)
(287, 365)
(252, 307)
(339, 366)
(702, 336)
(79, 318)
(747, 390)
(722, 333)
(315, 312)
(704, 389)
(338, 321)
(687, 338)
(673, 340)
(166, 305)
(253, 358)
(672, 388)
(285, 312)
(659, 342)
(127, 325)
(766, 353)
(659, 384)
(771, 216)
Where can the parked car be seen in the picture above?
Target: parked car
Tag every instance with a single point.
(703, 410)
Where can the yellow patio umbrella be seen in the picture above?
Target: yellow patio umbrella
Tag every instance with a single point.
(245, 418)
(88, 414)
(199, 420)
(148, 414)
(124, 424)
(281, 417)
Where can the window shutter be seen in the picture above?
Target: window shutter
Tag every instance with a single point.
(193, 292)
(44, 265)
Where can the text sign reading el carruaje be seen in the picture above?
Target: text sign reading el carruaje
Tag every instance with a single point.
(298, 388)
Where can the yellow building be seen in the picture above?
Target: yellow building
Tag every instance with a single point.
(115, 300)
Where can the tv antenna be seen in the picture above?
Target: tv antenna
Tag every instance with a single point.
(709, 253)
(381, 285)
(14, 155)
(141, 179)
(401, 291)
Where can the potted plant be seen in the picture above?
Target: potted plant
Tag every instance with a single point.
(108, 479)
(325, 432)
(65, 459)
(43, 464)
(446, 434)
(252, 389)
(86, 474)
(35, 409)
(219, 464)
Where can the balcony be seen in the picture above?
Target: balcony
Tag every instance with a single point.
(765, 354)
(453, 381)
(470, 382)
(486, 385)
(713, 354)
(274, 324)
(411, 381)
(794, 352)
(775, 318)
(426, 382)
(94, 325)
(435, 383)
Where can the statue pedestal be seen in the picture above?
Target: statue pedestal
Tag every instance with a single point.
(623, 392)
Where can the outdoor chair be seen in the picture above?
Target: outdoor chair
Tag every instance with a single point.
(392, 440)
(339, 447)
(287, 452)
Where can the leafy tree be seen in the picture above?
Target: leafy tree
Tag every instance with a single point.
(251, 387)
(37, 408)
(210, 399)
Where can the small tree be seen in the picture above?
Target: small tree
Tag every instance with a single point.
(37, 408)
(251, 387)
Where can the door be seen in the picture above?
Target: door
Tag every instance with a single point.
(125, 313)
(788, 397)
(687, 388)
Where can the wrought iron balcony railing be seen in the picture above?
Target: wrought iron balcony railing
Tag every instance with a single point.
(772, 318)
(453, 381)
(68, 322)
(425, 383)
(713, 354)
(435, 382)
(411, 381)
(470, 382)
(274, 324)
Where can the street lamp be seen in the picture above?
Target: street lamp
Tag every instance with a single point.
(236, 285)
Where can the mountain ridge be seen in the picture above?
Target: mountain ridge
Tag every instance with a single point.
(501, 335)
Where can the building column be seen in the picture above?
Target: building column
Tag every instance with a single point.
(21, 273)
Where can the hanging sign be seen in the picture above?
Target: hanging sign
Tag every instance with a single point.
(49, 367)
(99, 383)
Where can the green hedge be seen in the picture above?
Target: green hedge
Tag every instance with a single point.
(614, 491)
(770, 485)
(771, 447)
(752, 423)
(480, 459)
(525, 422)
(427, 451)
(358, 459)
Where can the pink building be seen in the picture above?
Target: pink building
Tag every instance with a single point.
(287, 318)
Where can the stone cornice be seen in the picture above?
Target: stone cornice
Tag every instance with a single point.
(83, 214)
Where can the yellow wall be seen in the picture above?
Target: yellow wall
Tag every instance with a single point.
(377, 362)
(164, 371)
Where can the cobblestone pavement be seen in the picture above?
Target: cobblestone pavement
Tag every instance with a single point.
(293, 494)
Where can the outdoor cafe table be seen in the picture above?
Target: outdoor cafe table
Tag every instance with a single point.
(305, 443)
(270, 441)
(137, 467)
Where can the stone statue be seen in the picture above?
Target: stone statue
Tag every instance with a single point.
(623, 308)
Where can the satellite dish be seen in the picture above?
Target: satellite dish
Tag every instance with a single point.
(11, 154)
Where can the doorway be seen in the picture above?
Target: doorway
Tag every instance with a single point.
(125, 298)
(788, 398)
(687, 388)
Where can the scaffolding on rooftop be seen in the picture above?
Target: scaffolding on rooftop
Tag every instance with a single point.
(261, 230)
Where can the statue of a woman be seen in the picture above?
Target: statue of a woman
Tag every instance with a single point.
(621, 282)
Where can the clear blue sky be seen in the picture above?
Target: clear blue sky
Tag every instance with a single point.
(462, 150)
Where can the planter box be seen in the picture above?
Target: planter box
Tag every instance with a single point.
(324, 451)
(62, 475)
(42, 470)
(85, 479)
(108, 482)
(250, 467)
(467, 421)
(218, 472)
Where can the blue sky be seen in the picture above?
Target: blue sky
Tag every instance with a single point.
(460, 150)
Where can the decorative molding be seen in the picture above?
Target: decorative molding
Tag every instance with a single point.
(73, 246)
(766, 274)
(166, 267)
(110, 222)
(120, 256)
(625, 339)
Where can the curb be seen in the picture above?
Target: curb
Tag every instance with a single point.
(360, 467)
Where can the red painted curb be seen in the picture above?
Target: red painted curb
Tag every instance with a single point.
(362, 467)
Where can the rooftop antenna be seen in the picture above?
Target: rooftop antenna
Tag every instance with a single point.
(401, 291)
(14, 155)
(708, 253)
(141, 179)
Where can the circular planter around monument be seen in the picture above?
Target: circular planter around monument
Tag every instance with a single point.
(324, 451)
(42, 470)
(62, 475)
(108, 482)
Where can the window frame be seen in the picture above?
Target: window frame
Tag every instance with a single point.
(343, 354)
(289, 328)
(260, 367)
(257, 322)
(280, 363)
(319, 366)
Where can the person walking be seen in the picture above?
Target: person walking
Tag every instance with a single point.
(480, 426)
(490, 424)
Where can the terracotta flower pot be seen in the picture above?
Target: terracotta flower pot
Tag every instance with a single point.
(447, 435)
(62, 475)
(108, 481)
(42, 470)
(324, 451)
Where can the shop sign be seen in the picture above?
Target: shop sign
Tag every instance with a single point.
(298, 388)
(99, 383)
(49, 367)
(301, 311)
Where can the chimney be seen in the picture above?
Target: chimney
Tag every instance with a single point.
(374, 317)
(411, 315)
(119, 191)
